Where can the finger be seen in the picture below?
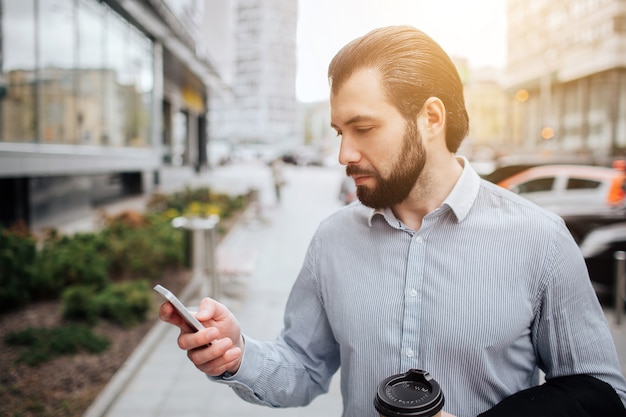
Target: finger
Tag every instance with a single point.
(217, 370)
(200, 355)
(168, 314)
(165, 311)
(215, 354)
(194, 340)
(206, 309)
(218, 359)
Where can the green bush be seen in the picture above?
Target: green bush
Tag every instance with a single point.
(17, 255)
(146, 248)
(131, 244)
(44, 344)
(124, 303)
(79, 303)
(63, 261)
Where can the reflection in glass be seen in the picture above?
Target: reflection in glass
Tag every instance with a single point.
(17, 92)
(56, 84)
(90, 93)
(180, 122)
(73, 72)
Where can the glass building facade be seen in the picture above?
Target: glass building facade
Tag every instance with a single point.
(74, 72)
(97, 99)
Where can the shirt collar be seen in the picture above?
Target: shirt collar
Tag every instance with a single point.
(459, 200)
(465, 190)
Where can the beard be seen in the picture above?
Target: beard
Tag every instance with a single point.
(396, 187)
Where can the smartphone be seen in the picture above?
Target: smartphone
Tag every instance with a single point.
(180, 307)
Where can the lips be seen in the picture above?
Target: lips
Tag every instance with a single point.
(358, 174)
(360, 179)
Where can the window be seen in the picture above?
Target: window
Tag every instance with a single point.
(533, 186)
(17, 101)
(57, 78)
(91, 83)
(582, 184)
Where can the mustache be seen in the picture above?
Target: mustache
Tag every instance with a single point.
(357, 170)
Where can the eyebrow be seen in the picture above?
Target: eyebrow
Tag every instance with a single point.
(355, 119)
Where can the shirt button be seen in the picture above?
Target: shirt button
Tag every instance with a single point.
(418, 239)
(413, 293)
(409, 353)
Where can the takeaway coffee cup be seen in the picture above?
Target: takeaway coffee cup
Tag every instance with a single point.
(412, 394)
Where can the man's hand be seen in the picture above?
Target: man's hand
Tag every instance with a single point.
(216, 349)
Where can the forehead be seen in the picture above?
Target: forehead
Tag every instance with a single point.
(362, 94)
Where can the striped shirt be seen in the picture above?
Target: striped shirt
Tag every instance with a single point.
(490, 290)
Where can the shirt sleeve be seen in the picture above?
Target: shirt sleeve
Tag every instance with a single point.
(299, 365)
(571, 335)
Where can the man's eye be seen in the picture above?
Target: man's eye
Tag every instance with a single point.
(364, 129)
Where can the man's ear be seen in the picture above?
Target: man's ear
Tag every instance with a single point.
(432, 117)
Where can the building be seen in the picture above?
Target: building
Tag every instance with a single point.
(566, 77)
(98, 99)
(262, 111)
(486, 103)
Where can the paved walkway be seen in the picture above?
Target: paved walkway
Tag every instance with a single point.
(160, 381)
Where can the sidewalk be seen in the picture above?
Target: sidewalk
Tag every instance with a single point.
(158, 379)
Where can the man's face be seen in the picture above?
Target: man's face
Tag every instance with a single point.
(383, 153)
(394, 188)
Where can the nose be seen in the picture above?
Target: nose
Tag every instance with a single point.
(348, 153)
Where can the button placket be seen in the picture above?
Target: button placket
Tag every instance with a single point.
(412, 301)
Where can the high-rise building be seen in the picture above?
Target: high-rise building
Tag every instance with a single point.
(260, 65)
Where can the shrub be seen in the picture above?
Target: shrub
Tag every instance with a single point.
(44, 344)
(144, 248)
(79, 303)
(17, 256)
(63, 261)
(124, 303)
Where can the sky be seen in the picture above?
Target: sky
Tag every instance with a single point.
(472, 29)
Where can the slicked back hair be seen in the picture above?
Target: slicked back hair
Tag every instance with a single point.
(413, 68)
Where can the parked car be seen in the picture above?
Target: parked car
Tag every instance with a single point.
(304, 156)
(507, 166)
(599, 248)
(585, 196)
(503, 172)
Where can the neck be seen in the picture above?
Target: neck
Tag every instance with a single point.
(430, 190)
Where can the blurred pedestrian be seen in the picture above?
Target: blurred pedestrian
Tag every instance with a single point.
(433, 269)
(278, 177)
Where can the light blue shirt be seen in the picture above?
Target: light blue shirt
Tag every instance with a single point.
(488, 291)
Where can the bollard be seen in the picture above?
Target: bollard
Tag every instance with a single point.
(255, 202)
(620, 257)
(203, 247)
(210, 265)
